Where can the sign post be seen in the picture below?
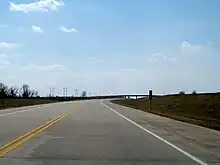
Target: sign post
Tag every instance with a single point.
(3, 103)
(150, 99)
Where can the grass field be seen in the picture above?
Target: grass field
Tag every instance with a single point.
(12, 103)
(199, 109)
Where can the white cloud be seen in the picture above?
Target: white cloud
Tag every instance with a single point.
(6, 26)
(38, 6)
(37, 29)
(138, 75)
(172, 59)
(7, 45)
(187, 47)
(54, 67)
(137, 80)
(4, 62)
(67, 30)
(156, 57)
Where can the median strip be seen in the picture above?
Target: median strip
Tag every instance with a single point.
(22, 139)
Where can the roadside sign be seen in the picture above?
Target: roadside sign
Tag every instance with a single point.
(150, 94)
(150, 99)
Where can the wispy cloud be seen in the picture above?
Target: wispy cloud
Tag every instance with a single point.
(53, 67)
(38, 6)
(4, 62)
(158, 56)
(11, 26)
(67, 30)
(187, 47)
(8, 45)
(37, 29)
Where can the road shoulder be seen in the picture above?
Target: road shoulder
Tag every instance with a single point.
(202, 142)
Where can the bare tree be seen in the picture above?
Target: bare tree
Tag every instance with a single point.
(36, 94)
(25, 91)
(182, 93)
(83, 94)
(13, 92)
(3, 90)
(194, 92)
(33, 93)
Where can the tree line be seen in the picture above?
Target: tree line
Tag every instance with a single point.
(17, 92)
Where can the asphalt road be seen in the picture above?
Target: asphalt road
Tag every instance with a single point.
(93, 134)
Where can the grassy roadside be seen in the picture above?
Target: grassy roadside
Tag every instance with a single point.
(199, 109)
(13, 103)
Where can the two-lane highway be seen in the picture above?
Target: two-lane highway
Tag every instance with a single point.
(89, 133)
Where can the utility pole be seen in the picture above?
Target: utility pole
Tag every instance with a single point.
(64, 92)
(51, 92)
(50, 95)
(76, 92)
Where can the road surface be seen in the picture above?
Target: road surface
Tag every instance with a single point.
(94, 133)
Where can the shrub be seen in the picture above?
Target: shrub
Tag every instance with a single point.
(181, 92)
(194, 92)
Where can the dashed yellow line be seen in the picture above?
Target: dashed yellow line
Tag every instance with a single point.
(22, 139)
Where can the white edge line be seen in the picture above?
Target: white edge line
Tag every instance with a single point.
(13, 109)
(23, 107)
(20, 111)
(6, 114)
(158, 137)
(28, 108)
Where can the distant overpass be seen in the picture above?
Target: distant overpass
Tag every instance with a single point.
(98, 97)
(118, 96)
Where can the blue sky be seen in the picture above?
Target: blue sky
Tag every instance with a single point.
(109, 46)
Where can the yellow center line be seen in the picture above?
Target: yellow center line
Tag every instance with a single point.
(22, 139)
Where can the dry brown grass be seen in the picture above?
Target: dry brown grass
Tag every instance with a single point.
(12, 103)
(199, 109)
